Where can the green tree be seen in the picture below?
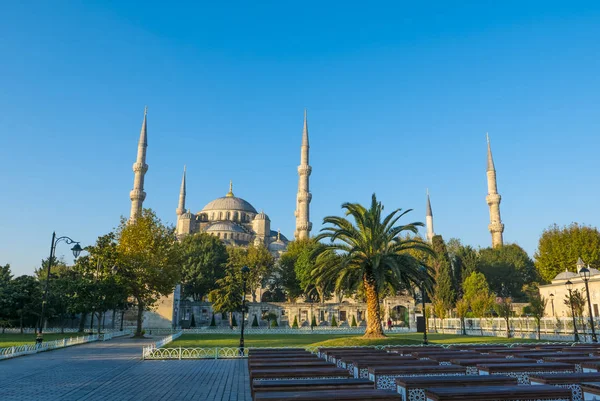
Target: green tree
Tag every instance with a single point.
(284, 274)
(503, 308)
(579, 302)
(464, 260)
(462, 308)
(255, 322)
(148, 261)
(25, 296)
(560, 247)
(5, 305)
(193, 322)
(474, 285)
(313, 321)
(443, 292)
(333, 321)
(204, 257)
(295, 324)
(226, 298)
(213, 323)
(258, 259)
(537, 306)
(353, 322)
(373, 254)
(507, 261)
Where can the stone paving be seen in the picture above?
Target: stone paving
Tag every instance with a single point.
(113, 370)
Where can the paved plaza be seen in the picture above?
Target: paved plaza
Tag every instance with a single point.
(113, 370)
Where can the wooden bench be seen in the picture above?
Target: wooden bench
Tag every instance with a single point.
(590, 366)
(413, 388)
(336, 357)
(575, 360)
(572, 381)
(337, 395)
(261, 386)
(293, 373)
(360, 369)
(522, 370)
(348, 362)
(266, 350)
(498, 393)
(262, 364)
(384, 376)
(471, 364)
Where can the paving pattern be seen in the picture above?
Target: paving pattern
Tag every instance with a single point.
(113, 370)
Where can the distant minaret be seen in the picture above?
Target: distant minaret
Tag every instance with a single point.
(429, 221)
(493, 200)
(303, 224)
(181, 208)
(140, 167)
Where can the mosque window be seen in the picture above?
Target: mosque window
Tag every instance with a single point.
(220, 215)
(228, 215)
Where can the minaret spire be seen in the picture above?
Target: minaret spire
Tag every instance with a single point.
(302, 213)
(181, 207)
(137, 194)
(429, 220)
(493, 200)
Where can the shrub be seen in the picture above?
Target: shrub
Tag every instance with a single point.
(193, 322)
(295, 324)
(212, 321)
(233, 321)
(274, 323)
(353, 324)
(333, 321)
(255, 322)
(313, 322)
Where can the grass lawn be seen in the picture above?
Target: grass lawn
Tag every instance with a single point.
(9, 340)
(298, 340)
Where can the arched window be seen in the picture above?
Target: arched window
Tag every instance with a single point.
(228, 215)
(220, 215)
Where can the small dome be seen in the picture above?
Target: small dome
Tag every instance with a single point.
(566, 275)
(277, 246)
(262, 216)
(225, 226)
(187, 215)
(274, 233)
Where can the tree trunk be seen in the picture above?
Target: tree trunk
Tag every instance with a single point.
(374, 329)
(140, 317)
(539, 333)
(463, 326)
(82, 321)
(113, 319)
(21, 322)
(100, 316)
(507, 327)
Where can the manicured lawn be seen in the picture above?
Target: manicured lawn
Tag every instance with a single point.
(9, 340)
(298, 340)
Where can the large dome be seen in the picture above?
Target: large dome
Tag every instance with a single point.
(223, 226)
(229, 203)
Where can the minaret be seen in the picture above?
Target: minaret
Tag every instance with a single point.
(429, 220)
(181, 208)
(303, 224)
(493, 200)
(137, 194)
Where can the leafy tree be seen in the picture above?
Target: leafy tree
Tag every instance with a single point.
(284, 275)
(579, 302)
(464, 259)
(5, 275)
(5, 304)
(313, 321)
(274, 323)
(213, 323)
(269, 317)
(560, 247)
(25, 296)
(295, 324)
(481, 305)
(148, 261)
(443, 291)
(227, 297)
(537, 306)
(204, 257)
(353, 324)
(193, 322)
(372, 253)
(504, 309)
(255, 322)
(474, 285)
(233, 321)
(507, 261)
(333, 321)
(258, 259)
(462, 308)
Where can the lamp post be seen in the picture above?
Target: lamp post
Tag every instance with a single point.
(245, 271)
(425, 342)
(569, 285)
(584, 273)
(76, 251)
(552, 303)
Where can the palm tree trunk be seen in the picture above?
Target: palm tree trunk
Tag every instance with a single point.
(374, 329)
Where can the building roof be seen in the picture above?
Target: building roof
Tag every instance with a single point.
(229, 203)
(227, 226)
(566, 275)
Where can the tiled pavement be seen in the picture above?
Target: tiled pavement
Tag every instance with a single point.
(113, 370)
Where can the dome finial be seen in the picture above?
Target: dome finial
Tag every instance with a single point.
(230, 193)
(278, 235)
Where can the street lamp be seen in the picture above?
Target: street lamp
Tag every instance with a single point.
(245, 271)
(552, 303)
(76, 251)
(584, 273)
(569, 285)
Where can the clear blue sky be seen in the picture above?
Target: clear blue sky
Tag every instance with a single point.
(399, 99)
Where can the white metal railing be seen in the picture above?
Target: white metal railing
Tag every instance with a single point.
(11, 352)
(234, 352)
(55, 330)
(114, 334)
(151, 348)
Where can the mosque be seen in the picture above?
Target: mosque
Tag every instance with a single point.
(237, 222)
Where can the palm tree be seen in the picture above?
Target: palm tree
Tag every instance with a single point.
(371, 256)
